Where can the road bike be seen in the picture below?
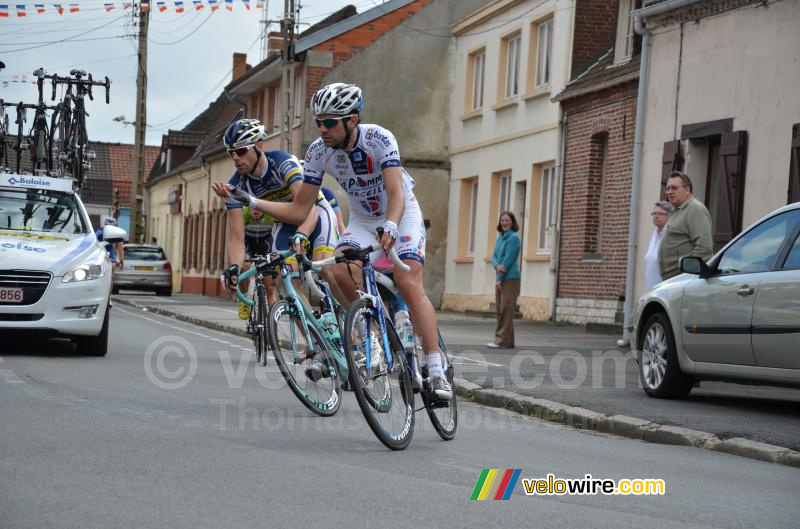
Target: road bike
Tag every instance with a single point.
(257, 321)
(384, 374)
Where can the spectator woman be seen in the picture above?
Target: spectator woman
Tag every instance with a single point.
(652, 273)
(505, 261)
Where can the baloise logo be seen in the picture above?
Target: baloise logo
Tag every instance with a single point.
(28, 181)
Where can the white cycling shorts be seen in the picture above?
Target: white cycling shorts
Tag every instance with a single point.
(361, 232)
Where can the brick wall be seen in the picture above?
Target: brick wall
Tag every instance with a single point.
(609, 113)
(595, 28)
(351, 42)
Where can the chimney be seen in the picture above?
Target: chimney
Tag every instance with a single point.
(274, 43)
(239, 65)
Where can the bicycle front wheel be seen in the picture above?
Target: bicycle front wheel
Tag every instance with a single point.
(258, 325)
(443, 413)
(383, 392)
(310, 374)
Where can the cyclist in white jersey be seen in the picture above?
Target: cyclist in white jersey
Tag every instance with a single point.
(365, 160)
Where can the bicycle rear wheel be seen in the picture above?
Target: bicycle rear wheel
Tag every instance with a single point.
(442, 413)
(317, 389)
(258, 325)
(384, 393)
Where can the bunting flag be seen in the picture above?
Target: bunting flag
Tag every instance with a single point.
(145, 5)
(126, 5)
(213, 5)
(246, 4)
(59, 8)
(229, 5)
(162, 6)
(74, 8)
(21, 10)
(3, 10)
(259, 5)
(109, 7)
(198, 4)
(39, 8)
(179, 6)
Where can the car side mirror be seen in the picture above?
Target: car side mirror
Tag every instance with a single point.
(695, 265)
(114, 234)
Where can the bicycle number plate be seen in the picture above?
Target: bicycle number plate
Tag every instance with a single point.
(10, 295)
(144, 267)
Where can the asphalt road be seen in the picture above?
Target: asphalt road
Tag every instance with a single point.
(102, 442)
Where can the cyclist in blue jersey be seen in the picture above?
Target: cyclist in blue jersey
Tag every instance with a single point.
(365, 160)
(271, 175)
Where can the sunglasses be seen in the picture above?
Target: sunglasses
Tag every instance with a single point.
(241, 151)
(331, 122)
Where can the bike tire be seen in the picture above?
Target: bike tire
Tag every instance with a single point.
(258, 324)
(389, 416)
(323, 396)
(442, 413)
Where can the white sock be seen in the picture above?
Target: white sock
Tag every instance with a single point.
(434, 361)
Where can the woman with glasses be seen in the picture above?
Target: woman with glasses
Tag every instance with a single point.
(660, 214)
(270, 175)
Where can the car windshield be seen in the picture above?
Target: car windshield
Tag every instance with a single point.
(40, 210)
(141, 254)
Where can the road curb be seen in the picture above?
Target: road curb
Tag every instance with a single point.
(623, 425)
(182, 317)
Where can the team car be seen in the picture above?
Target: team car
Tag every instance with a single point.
(55, 276)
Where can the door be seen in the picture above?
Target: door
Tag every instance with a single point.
(776, 314)
(717, 312)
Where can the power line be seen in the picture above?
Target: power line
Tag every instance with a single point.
(68, 39)
(184, 38)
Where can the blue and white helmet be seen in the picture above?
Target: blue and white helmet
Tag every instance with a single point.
(243, 132)
(109, 221)
(338, 99)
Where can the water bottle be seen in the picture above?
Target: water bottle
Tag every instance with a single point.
(329, 325)
(404, 330)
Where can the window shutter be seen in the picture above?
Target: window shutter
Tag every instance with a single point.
(794, 166)
(727, 218)
(671, 160)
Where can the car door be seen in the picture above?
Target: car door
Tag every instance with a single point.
(776, 313)
(717, 311)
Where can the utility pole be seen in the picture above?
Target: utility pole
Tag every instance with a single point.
(287, 30)
(264, 32)
(137, 224)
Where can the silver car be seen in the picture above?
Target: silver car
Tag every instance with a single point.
(736, 318)
(144, 267)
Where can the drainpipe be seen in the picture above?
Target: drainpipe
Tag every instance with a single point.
(555, 251)
(639, 26)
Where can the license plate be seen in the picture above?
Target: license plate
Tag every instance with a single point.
(144, 268)
(10, 295)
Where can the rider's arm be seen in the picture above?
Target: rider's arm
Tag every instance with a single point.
(310, 221)
(236, 236)
(393, 181)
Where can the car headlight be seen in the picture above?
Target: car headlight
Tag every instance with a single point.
(85, 272)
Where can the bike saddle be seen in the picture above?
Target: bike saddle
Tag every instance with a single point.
(78, 73)
(39, 72)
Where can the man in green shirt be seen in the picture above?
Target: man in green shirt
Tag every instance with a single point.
(688, 230)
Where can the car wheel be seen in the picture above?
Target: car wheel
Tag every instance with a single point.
(659, 370)
(95, 345)
(115, 290)
(165, 292)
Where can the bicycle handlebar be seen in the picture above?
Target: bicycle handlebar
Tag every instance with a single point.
(76, 80)
(318, 265)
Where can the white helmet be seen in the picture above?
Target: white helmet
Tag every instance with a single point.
(338, 99)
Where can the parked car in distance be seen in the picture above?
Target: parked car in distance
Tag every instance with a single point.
(735, 318)
(144, 267)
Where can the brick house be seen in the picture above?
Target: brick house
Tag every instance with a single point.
(599, 104)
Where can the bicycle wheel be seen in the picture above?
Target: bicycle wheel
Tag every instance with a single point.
(320, 394)
(258, 325)
(442, 413)
(384, 394)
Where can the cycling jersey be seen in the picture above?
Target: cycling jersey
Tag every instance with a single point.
(256, 227)
(280, 172)
(360, 171)
(331, 198)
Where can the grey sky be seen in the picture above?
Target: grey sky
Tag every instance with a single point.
(189, 56)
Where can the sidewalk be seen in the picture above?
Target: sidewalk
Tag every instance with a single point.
(562, 373)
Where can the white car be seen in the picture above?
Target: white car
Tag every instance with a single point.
(55, 276)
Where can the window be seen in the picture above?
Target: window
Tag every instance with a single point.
(475, 72)
(504, 192)
(623, 49)
(544, 44)
(595, 184)
(756, 250)
(793, 259)
(467, 218)
(275, 108)
(546, 209)
(512, 48)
